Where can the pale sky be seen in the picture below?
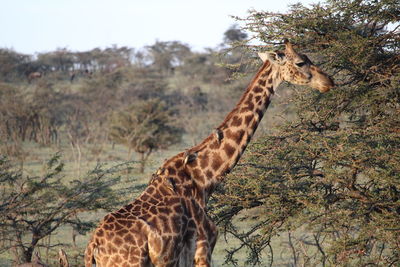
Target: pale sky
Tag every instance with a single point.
(30, 26)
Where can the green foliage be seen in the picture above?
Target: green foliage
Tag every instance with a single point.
(13, 65)
(32, 208)
(234, 34)
(145, 127)
(332, 173)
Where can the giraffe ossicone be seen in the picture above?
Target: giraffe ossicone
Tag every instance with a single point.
(167, 225)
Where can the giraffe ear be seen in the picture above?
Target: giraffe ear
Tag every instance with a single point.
(273, 57)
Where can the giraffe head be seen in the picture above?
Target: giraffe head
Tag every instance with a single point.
(297, 68)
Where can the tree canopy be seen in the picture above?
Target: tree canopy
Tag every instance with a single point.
(33, 208)
(144, 128)
(327, 180)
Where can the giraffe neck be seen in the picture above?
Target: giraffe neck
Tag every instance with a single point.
(220, 152)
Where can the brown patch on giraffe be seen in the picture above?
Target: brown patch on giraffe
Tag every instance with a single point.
(118, 241)
(248, 119)
(236, 121)
(271, 90)
(215, 145)
(209, 174)
(157, 194)
(229, 134)
(261, 82)
(204, 161)
(164, 191)
(257, 98)
(108, 227)
(178, 163)
(150, 189)
(239, 136)
(197, 174)
(270, 80)
(257, 89)
(124, 222)
(145, 197)
(229, 150)
(216, 162)
(266, 72)
(153, 210)
(153, 201)
(118, 215)
(249, 98)
(109, 218)
(182, 175)
(136, 208)
(250, 105)
(171, 171)
(178, 209)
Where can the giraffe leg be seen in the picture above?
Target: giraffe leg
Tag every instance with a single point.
(202, 257)
(206, 243)
(164, 251)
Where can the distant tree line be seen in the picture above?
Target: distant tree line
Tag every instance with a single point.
(81, 97)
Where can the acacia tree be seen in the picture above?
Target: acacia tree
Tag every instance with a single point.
(144, 128)
(33, 208)
(329, 179)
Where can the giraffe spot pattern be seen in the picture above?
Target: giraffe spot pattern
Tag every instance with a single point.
(236, 121)
(204, 160)
(214, 145)
(257, 89)
(229, 150)
(261, 82)
(248, 119)
(216, 162)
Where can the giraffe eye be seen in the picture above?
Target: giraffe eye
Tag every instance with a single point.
(300, 64)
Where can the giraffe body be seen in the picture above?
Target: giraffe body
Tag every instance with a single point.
(160, 228)
(167, 225)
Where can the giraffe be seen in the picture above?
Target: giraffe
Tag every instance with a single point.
(167, 225)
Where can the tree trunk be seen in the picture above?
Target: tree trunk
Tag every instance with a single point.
(144, 156)
(142, 162)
